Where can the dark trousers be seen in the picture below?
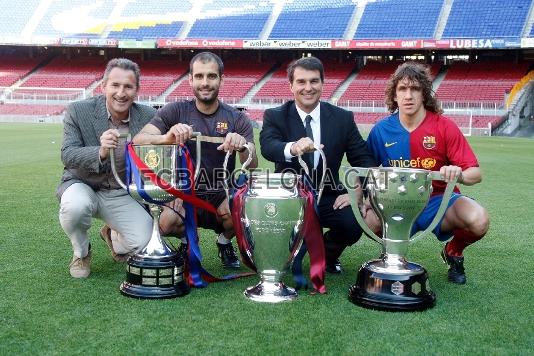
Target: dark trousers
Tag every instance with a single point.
(344, 229)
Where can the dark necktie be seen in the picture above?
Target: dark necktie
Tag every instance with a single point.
(308, 157)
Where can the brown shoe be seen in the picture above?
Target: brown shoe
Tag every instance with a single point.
(80, 267)
(105, 234)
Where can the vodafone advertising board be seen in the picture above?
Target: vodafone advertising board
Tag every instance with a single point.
(199, 43)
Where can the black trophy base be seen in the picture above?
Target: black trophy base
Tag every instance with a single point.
(155, 278)
(409, 291)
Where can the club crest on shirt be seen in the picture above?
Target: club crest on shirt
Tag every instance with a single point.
(221, 128)
(429, 142)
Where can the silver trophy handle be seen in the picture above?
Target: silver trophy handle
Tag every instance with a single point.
(243, 166)
(196, 135)
(305, 167)
(360, 172)
(113, 167)
(442, 207)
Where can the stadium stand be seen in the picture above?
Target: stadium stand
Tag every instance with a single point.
(30, 109)
(481, 81)
(300, 20)
(141, 8)
(158, 75)
(15, 20)
(64, 17)
(239, 79)
(148, 32)
(63, 73)
(399, 19)
(14, 67)
(476, 18)
(224, 19)
(278, 86)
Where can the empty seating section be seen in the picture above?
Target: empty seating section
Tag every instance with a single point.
(486, 19)
(240, 77)
(229, 27)
(313, 21)
(76, 73)
(224, 19)
(31, 109)
(170, 30)
(158, 75)
(399, 19)
(370, 84)
(255, 114)
(142, 8)
(15, 16)
(476, 121)
(277, 87)
(13, 68)
(480, 82)
(64, 17)
(368, 117)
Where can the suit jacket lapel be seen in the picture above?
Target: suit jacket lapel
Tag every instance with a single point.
(100, 117)
(296, 123)
(135, 120)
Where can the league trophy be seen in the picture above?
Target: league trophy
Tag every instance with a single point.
(397, 196)
(157, 271)
(272, 216)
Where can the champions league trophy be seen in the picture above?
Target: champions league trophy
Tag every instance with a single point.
(272, 216)
(398, 196)
(157, 271)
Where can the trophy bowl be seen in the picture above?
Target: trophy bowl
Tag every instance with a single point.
(397, 196)
(157, 271)
(272, 216)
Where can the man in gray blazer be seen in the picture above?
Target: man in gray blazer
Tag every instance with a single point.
(88, 188)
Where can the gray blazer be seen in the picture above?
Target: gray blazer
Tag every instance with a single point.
(85, 121)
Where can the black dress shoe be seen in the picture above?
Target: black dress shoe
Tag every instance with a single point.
(456, 273)
(334, 267)
(228, 257)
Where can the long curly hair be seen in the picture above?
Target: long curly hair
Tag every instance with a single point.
(414, 72)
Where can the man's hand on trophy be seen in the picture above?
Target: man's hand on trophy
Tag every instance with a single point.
(108, 140)
(303, 145)
(341, 201)
(232, 142)
(370, 217)
(179, 134)
(450, 173)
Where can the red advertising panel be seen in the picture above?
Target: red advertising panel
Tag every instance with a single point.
(199, 43)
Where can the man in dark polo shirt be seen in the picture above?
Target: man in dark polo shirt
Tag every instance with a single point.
(175, 123)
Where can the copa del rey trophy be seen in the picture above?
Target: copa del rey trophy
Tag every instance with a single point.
(157, 271)
(272, 216)
(397, 196)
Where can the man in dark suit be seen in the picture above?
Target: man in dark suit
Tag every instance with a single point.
(88, 188)
(292, 129)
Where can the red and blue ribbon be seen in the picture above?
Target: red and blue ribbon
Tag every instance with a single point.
(196, 275)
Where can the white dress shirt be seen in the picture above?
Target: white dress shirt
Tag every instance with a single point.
(315, 124)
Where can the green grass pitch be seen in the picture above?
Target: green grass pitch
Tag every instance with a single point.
(45, 311)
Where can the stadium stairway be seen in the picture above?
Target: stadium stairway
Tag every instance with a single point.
(528, 22)
(338, 93)
(269, 24)
(171, 88)
(247, 99)
(28, 75)
(354, 20)
(439, 78)
(443, 18)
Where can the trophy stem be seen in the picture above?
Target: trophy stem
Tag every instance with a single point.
(271, 289)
